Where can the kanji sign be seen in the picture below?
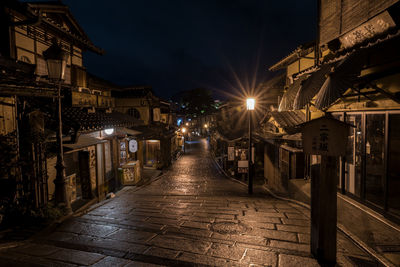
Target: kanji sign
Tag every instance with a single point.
(325, 136)
(369, 29)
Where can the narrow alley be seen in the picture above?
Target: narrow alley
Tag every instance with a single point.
(190, 216)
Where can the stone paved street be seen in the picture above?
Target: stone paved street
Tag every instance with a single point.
(190, 216)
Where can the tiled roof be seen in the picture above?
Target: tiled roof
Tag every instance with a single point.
(86, 121)
(153, 131)
(289, 120)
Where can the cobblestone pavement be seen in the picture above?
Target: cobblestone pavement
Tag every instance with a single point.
(192, 216)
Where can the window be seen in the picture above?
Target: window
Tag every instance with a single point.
(393, 171)
(134, 113)
(353, 169)
(371, 166)
(374, 156)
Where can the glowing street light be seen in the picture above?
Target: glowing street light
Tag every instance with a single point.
(184, 145)
(251, 102)
(205, 126)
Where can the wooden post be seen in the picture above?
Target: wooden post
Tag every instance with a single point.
(324, 211)
(326, 137)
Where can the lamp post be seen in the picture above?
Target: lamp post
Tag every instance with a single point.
(250, 106)
(56, 60)
(184, 139)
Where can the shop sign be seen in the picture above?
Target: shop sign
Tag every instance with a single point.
(369, 29)
(133, 146)
(325, 136)
(243, 166)
(231, 153)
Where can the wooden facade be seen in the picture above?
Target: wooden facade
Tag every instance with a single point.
(338, 17)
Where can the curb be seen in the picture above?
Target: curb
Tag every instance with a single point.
(340, 227)
(91, 205)
(222, 171)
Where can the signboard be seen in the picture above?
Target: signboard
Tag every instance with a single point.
(92, 168)
(243, 166)
(231, 153)
(156, 114)
(369, 29)
(133, 146)
(243, 163)
(325, 136)
(242, 170)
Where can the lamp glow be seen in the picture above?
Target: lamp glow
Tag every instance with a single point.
(251, 102)
(183, 130)
(109, 131)
(205, 126)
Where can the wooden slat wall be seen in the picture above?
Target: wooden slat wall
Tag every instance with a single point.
(354, 13)
(341, 16)
(330, 18)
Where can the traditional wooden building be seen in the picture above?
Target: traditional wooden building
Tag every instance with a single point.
(28, 107)
(355, 78)
(157, 143)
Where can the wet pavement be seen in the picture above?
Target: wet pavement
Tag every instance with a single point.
(190, 216)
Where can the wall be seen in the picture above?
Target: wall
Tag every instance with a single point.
(7, 115)
(390, 84)
(301, 64)
(272, 170)
(30, 42)
(340, 16)
(124, 104)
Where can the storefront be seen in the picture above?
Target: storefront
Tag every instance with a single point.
(81, 169)
(129, 169)
(152, 153)
(370, 172)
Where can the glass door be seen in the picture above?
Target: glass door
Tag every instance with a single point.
(353, 165)
(375, 158)
(393, 172)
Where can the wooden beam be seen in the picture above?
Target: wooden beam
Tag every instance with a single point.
(35, 92)
(387, 94)
(6, 104)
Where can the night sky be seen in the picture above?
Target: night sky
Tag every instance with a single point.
(175, 45)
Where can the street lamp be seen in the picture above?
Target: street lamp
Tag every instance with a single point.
(251, 102)
(56, 60)
(184, 146)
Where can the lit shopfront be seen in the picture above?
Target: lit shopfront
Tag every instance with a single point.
(370, 171)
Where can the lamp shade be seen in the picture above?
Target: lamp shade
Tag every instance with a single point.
(56, 60)
(251, 102)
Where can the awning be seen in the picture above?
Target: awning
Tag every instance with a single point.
(310, 87)
(290, 94)
(84, 141)
(340, 79)
(128, 131)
